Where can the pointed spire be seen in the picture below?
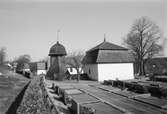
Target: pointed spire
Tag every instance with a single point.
(104, 37)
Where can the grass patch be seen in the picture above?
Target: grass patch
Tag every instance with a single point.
(10, 87)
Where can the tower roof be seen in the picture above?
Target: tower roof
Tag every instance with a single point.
(57, 50)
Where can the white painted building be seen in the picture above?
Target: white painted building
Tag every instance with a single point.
(73, 70)
(108, 61)
(41, 68)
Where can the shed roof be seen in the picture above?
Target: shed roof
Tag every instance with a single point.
(107, 53)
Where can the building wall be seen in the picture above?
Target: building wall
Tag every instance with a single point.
(121, 71)
(91, 70)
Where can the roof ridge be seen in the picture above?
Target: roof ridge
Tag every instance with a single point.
(107, 46)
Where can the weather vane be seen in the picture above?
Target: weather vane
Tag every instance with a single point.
(104, 37)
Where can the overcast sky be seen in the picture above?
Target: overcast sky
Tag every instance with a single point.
(30, 26)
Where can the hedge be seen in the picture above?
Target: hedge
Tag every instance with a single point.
(33, 102)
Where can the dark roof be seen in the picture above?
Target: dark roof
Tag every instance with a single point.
(114, 56)
(107, 46)
(108, 56)
(107, 53)
(57, 50)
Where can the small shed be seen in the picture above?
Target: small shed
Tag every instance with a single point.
(72, 70)
(38, 68)
(41, 68)
(108, 61)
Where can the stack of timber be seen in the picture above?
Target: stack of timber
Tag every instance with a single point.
(91, 98)
(157, 89)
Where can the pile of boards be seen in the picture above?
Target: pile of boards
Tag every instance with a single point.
(80, 102)
(95, 98)
(156, 89)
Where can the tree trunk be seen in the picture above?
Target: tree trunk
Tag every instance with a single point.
(137, 68)
(141, 68)
(78, 74)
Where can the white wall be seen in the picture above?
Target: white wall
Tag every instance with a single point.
(122, 71)
(93, 74)
(41, 72)
(74, 71)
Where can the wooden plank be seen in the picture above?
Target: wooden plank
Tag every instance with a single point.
(143, 95)
(131, 105)
(119, 102)
(123, 110)
(62, 88)
(160, 103)
(77, 100)
(72, 91)
(102, 108)
(84, 98)
(65, 87)
(107, 88)
(124, 103)
(68, 93)
(60, 107)
(130, 94)
(88, 88)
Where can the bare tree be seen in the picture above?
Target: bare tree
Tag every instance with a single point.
(2, 55)
(45, 59)
(143, 41)
(74, 60)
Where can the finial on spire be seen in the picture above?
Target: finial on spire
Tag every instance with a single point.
(58, 35)
(104, 37)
